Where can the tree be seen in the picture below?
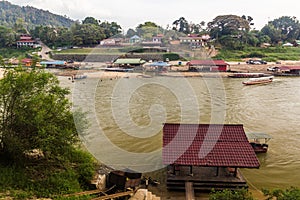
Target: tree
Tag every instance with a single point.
(184, 26)
(110, 29)
(227, 25)
(7, 37)
(284, 28)
(273, 33)
(197, 28)
(130, 33)
(34, 114)
(90, 20)
(229, 30)
(148, 30)
(147, 24)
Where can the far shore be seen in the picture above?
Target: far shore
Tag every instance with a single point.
(95, 70)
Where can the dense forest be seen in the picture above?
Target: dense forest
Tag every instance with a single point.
(10, 14)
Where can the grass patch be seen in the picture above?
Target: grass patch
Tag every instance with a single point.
(269, 54)
(16, 53)
(47, 179)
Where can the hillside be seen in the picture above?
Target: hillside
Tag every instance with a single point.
(10, 13)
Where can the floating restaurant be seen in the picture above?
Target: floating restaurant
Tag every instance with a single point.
(206, 156)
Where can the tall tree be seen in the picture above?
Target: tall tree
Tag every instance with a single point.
(227, 25)
(181, 25)
(7, 37)
(110, 28)
(229, 30)
(90, 20)
(35, 114)
(148, 29)
(286, 29)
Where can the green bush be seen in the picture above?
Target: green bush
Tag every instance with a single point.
(242, 194)
(279, 194)
(171, 56)
(254, 54)
(44, 179)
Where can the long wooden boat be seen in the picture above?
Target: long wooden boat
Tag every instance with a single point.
(260, 80)
(259, 141)
(246, 75)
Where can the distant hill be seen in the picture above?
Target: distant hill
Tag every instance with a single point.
(10, 13)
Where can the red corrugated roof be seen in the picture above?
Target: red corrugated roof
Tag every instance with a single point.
(207, 145)
(25, 41)
(289, 68)
(208, 62)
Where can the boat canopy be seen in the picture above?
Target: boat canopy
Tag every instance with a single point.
(258, 136)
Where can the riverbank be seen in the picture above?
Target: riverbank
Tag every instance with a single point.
(95, 70)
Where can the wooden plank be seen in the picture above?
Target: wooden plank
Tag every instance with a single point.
(90, 192)
(189, 191)
(116, 195)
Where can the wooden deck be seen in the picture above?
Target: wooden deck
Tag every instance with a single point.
(205, 178)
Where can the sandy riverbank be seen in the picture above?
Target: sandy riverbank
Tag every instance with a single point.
(93, 70)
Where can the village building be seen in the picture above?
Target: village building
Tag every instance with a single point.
(54, 64)
(27, 62)
(128, 62)
(134, 39)
(208, 65)
(111, 42)
(26, 41)
(288, 71)
(155, 42)
(206, 156)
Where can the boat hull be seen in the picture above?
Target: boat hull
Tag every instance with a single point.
(255, 81)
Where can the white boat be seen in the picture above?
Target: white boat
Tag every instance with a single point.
(260, 80)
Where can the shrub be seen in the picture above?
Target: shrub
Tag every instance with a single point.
(287, 194)
(171, 56)
(242, 194)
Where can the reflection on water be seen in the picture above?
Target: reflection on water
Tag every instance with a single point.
(273, 108)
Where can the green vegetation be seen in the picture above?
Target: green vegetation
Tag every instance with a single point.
(16, 53)
(242, 194)
(41, 178)
(10, 14)
(40, 154)
(277, 194)
(270, 54)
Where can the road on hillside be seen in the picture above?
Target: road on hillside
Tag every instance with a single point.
(44, 53)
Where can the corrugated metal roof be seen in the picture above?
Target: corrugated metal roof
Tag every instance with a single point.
(207, 62)
(258, 136)
(57, 62)
(129, 61)
(282, 68)
(207, 145)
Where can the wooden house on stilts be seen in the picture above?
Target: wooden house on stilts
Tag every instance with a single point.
(207, 156)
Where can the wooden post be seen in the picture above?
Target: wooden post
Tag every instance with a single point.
(235, 172)
(189, 191)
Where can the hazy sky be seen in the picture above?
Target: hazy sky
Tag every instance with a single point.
(131, 13)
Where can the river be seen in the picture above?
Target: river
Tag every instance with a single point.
(126, 116)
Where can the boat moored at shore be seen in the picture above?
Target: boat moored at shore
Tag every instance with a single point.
(260, 80)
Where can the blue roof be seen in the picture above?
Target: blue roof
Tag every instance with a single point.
(56, 62)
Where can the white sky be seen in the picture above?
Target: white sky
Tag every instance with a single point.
(131, 13)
